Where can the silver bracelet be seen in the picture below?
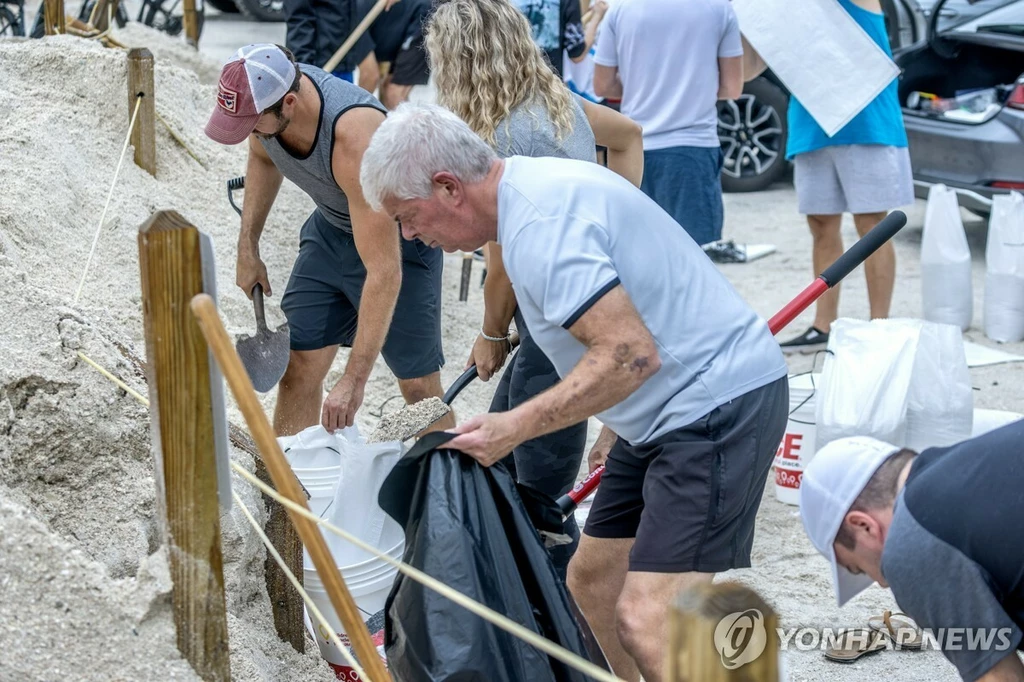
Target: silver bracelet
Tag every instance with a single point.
(495, 339)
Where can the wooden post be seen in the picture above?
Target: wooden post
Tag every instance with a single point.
(53, 16)
(191, 20)
(284, 480)
(286, 602)
(722, 632)
(178, 371)
(140, 82)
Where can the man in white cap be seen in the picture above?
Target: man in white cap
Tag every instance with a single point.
(355, 282)
(942, 529)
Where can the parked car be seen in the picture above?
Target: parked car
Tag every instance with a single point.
(972, 64)
(943, 47)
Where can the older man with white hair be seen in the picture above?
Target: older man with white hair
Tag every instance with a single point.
(645, 333)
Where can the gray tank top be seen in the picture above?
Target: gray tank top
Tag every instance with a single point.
(313, 173)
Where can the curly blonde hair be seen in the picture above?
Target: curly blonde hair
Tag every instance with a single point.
(485, 64)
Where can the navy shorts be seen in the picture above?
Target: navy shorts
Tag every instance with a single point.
(685, 182)
(691, 496)
(322, 299)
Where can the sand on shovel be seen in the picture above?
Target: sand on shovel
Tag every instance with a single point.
(409, 420)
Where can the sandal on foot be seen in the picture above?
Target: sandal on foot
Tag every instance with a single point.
(854, 643)
(900, 628)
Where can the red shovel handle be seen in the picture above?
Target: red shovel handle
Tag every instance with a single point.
(858, 253)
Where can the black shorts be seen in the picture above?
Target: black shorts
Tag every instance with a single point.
(410, 66)
(323, 294)
(691, 496)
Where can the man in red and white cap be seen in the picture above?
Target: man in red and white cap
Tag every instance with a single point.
(355, 282)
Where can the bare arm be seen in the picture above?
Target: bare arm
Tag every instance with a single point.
(753, 65)
(378, 243)
(622, 136)
(730, 77)
(620, 356)
(1010, 669)
(262, 183)
(596, 12)
(499, 309)
(607, 82)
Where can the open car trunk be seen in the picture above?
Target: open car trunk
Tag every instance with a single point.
(970, 88)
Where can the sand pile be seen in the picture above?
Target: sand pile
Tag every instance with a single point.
(85, 591)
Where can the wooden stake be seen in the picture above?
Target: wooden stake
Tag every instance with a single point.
(333, 62)
(140, 82)
(53, 16)
(286, 602)
(101, 15)
(722, 632)
(284, 480)
(467, 272)
(181, 405)
(191, 20)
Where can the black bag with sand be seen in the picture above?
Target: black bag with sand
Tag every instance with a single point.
(467, 526)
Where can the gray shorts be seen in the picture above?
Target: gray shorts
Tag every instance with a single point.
(690, 497)
(326, 286)
(853, 178)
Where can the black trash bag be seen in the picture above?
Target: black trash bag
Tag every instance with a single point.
(467, 526)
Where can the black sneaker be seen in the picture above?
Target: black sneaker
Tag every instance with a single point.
(810, 341)
(725, 252)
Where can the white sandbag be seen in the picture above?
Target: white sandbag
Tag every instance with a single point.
(902, 381)
(1004, 270)
(865, 381)
(355, 509)
(940, 409)
(945, 262)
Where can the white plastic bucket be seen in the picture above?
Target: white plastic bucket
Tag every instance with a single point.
(797, 446)
(320, 484)
(369, 596)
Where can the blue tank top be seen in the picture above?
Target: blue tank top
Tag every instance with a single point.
(880, 122)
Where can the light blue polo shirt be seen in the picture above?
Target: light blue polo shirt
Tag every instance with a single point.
(571, 231)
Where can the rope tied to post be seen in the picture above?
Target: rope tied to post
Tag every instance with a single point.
(110, 195)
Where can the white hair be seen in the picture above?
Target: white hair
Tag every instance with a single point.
(415, 142)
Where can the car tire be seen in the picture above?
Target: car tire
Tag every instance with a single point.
(225, 6)
(752, 130)
(262, 10)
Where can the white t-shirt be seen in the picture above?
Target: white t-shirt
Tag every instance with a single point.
(667, 54)
(570, 232)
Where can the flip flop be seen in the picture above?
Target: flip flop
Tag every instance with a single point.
(855, 643)
(900, 628)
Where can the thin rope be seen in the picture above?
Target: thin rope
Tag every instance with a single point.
(314, 611)
(120, 384)
(110, 195)
(490, 615)
(179, 140)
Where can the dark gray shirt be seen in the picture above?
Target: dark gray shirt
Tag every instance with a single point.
(954, 554)
(529, 131)
(313, 172)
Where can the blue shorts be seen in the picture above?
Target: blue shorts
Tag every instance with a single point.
(323, 294)
(685, 182)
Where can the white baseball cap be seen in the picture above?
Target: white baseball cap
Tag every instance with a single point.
(831, 483)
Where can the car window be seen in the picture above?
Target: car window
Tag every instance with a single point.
(1008, 19)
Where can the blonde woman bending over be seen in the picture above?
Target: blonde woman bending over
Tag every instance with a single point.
(491, 74)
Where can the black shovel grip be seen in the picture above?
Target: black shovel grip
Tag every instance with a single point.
(868, 244)
(466, 378)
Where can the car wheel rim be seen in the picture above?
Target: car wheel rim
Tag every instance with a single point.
(275, 6)
(750, 132)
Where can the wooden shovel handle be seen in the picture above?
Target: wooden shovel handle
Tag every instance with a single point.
(284, 480)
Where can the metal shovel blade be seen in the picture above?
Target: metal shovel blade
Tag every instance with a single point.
(265, 355)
